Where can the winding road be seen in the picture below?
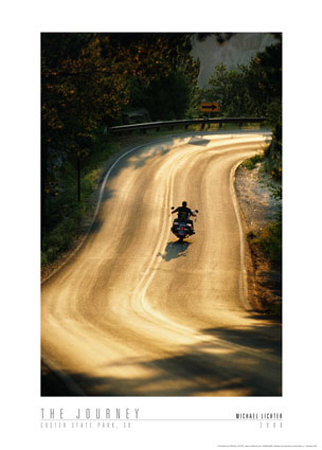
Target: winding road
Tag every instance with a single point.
(136, 313)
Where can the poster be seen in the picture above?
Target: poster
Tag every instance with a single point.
(287, 421)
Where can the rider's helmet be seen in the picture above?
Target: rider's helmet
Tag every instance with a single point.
(184, 204)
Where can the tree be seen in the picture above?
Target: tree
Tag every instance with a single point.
(87, 81)
(78, 92)
(173, 74)
(166, 98)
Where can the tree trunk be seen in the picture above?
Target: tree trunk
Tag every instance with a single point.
(44, 156)
(78, 179)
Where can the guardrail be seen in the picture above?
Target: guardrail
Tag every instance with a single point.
(186, 123)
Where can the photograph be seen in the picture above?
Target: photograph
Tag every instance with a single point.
(161, 214)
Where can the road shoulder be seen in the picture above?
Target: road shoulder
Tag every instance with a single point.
(258, 208)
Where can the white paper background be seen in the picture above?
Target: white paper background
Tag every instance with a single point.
(21, 25)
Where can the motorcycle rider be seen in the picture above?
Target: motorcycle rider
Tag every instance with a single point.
(184, 213)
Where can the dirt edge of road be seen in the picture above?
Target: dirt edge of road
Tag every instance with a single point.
(257, 208)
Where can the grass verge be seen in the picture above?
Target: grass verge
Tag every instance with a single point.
(63, 212)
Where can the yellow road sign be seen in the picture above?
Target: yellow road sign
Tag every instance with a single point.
(209, 106)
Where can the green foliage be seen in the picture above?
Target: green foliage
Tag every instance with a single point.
(276, 191)
(165, 99)
(230, 88)
(273, 160)
(251, 163)
(270, 240)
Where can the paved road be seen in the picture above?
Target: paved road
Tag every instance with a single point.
(136, 313)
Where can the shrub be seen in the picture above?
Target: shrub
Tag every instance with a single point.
(250, 164)
(270, 241)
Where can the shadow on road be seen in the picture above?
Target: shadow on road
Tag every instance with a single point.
(264, 338)
(138, 159)
(231, 362)
(198, 141)
(175, 249)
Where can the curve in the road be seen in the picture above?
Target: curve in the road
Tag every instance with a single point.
(136, 313)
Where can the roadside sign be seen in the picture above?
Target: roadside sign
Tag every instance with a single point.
(209, 106)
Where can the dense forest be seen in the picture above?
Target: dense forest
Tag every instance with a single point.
(90, 81)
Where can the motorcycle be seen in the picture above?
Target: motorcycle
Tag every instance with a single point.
(182, 228)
